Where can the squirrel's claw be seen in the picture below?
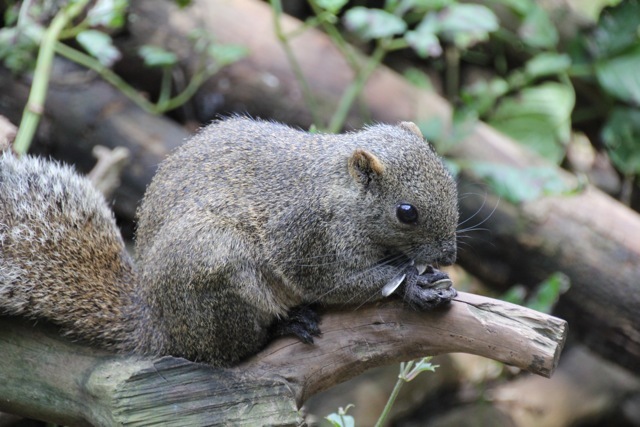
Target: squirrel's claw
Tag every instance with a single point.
(302, 322)
(429, 290)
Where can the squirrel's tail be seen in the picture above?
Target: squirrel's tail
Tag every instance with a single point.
(62, 257)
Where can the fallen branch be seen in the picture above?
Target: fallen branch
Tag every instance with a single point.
(105, 175)
(48, 378)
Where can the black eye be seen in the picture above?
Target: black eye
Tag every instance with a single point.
(407, 213)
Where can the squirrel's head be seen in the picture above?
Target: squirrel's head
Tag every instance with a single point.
(409, 196)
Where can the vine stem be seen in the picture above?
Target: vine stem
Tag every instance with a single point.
(347, 51)
(355, 89)
(404, 371)
(165, 103)
(35, 104)
(309, 98)
(108, 75)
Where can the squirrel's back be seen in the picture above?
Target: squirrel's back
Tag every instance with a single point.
(61, 255)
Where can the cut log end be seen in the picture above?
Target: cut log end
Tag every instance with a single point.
(538, 336)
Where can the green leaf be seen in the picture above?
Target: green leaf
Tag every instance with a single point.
(99, 45)
(201, 39)
(547, 64)
(617, 30)
(418, 78)
(155, 56)
(423, 40)
(539, 117)
(444, 137)
(548, 292)
(422, 365)
(521, 7)
(620, 76)
(591, 9)
(182, 3)
(373, 23)
(453, 166)
(17, 50)
(422, 6)
(333, 6)
(337, 420)
(108, 13)
(467, 24)
(481, 96)
(11, 16)
(470, 18)
(341, 419)
(543, 297)
(226, 54)
(537, 30)
(621, 135)
(432, 129)
(520, 185)
(515, 295)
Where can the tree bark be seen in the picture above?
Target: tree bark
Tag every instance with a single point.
(589, 236)
(48, 378)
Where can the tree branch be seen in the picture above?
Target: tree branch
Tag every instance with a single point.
(49, 378)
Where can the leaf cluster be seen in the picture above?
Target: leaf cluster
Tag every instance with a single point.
(81, 30)
(532, 99)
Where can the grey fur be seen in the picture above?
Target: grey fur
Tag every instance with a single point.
(245, 221)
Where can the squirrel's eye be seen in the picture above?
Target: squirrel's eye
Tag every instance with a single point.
(407, 213)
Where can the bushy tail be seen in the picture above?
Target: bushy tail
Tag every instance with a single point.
(62, 257)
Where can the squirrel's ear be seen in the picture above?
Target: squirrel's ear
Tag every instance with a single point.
(364, 167)
(411, 127)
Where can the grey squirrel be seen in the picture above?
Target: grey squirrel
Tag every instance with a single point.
(244, 230)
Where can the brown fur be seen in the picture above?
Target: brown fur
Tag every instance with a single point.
(61, 255)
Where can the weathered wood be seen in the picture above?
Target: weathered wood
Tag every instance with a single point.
(48, 378)
(590, 236)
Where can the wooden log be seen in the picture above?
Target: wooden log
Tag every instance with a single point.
(589, 236)
(48, 378)
(82, 111)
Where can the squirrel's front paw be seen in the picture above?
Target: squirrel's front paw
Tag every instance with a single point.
(429, 290)
(302, 321)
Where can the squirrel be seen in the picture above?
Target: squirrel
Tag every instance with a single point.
(243, 233)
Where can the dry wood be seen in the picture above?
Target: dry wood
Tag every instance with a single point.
(592, 238)
(47, 378)
(105, 175)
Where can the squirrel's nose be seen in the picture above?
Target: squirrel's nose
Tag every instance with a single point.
(448, 253)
